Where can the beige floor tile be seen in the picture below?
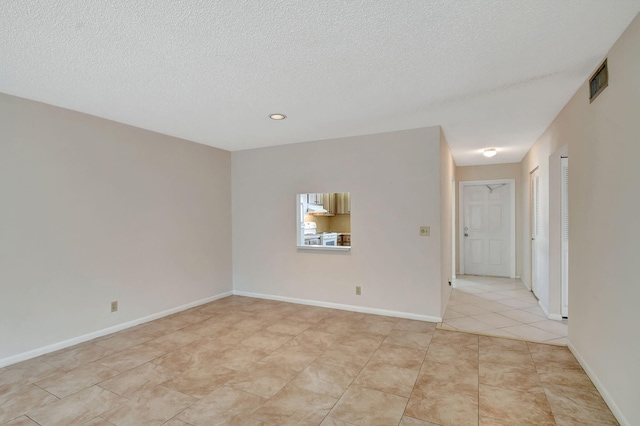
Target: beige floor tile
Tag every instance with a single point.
(516, 377)
(21, 399)
(352, 357)
(292, 405)
(495, 320)
(493, 296)
(70, 359)
(362, 406)
(497, 344)
(469, 324)
(266, 341)
(387, 378)
(26, 372)
(521, 316)
(562, 341)
(452, 313)
(458, 378)
(288, 327)
(220, 406)
(132, 357)
(528, 332)
(578, 405)
(543, 354)
(312, 340)
(468, 309)
(488, 421)
(253, 362)
(514, 406)
(145, 376)
(416, 326)
(367, 325)
(290, 360)
(164, 326)
(262, 380)
(154, 406)
(21, 421)
(172, 341)
(555, 327)
(175, 422)
(199, 382)
(494, 306)
(498, 332)
(77, 408)
(409, 339)
(329, 421)
(65, 383)
(443, 408)
(363, 340)
(520, 302)
(564, 374)
(125, 339)
(506, 357)
(191, 356)
(325, 379)
(536, 311)
(399, 356)
(410, 421)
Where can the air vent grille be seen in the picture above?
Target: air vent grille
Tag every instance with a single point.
(599, 81)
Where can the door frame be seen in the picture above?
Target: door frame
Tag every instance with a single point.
(533, 260)
(512, 230)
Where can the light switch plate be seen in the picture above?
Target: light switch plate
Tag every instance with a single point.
(425, 231)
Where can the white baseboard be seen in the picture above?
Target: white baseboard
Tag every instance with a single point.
(555, 317)
(13, 359)
(544, 310)
(353, 308)
(598, 384)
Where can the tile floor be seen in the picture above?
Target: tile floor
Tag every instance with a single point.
(244, 361)
(500, 307)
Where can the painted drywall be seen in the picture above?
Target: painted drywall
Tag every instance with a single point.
(492, 172)
(604, 179)
(447, 176)
(95, 211)
(394, 181)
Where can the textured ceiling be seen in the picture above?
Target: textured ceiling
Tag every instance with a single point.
(492, 73)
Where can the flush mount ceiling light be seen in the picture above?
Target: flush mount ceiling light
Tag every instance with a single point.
(489, 152)
(277, 116)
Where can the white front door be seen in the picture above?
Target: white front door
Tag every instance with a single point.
(535, 229)
(487, 229)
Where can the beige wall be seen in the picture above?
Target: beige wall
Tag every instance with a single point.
(95, 211)
(492, 172)
(604, 179)
(394, 181)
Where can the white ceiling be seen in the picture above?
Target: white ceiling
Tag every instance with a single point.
(491, 72)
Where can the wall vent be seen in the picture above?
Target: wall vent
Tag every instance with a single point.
(599, 81)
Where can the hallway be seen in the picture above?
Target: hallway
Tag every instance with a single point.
(501, 307)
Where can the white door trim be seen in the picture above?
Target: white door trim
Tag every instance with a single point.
(512, 230)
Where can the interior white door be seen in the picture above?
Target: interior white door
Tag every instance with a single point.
(487, 242)
(535, 228)
(564, 162)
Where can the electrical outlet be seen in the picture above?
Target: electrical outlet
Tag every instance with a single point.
(358, 290)
(114, 306)
(425, 231)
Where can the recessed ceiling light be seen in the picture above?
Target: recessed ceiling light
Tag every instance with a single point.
(489, 152)
(277, 116)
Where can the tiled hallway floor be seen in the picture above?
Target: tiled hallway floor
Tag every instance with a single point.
(500, 307)
(244, 361)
